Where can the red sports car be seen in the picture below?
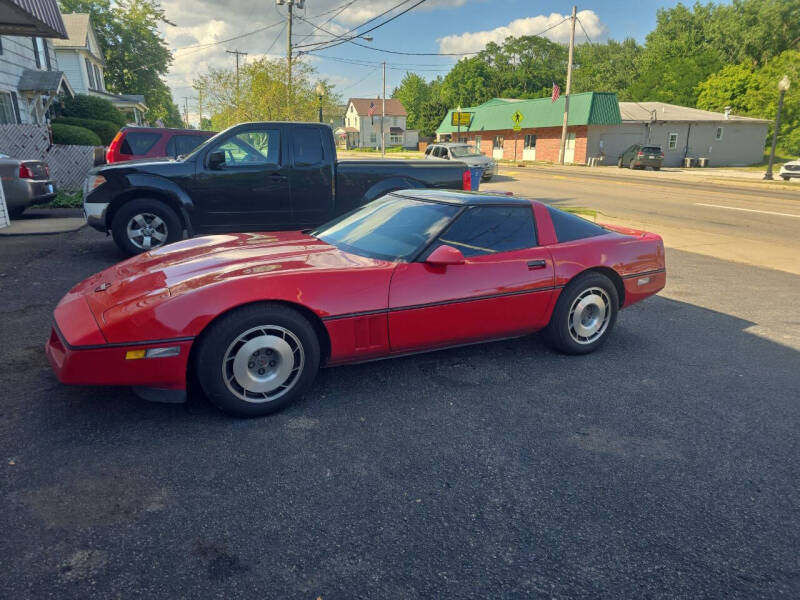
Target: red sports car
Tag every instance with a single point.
(253, 316)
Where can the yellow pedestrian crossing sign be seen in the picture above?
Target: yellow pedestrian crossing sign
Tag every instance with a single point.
(517, 119)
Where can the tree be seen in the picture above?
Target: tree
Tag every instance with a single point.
(262, 93)
(608, 67)
(754, 92)
(414, 92)
(136, 55)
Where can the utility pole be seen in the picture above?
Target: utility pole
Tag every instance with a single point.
(200, 109)
(383, 114)
(289, 60)
(238, 54)
(569, 86)
(186, 110)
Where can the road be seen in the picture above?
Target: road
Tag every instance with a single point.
(663, 466)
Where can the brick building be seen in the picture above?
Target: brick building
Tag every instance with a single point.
(602, 128)
(539, 138)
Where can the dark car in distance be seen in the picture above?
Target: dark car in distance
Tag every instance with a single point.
(252, 177)
(133, 143)
(640, 156)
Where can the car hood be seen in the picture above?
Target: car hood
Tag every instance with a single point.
(188, 265)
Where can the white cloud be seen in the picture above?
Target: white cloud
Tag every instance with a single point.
(475, 41)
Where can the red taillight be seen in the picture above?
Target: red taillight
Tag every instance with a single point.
(113, 148)
(640, 154)
(25, 172)
(466, 181)
(662, 155)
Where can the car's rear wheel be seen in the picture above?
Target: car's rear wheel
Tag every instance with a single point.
(632, 165)
(584, 315)
(619, 162)
(145, 224)
(257, 359)
(656, 168)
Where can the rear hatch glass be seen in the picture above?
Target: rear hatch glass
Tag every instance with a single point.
(651, 150)
(139, 142)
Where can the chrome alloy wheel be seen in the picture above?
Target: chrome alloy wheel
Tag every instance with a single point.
(146, 231)
(589, 315)
(263, 363)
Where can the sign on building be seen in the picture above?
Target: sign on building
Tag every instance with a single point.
(461, 119)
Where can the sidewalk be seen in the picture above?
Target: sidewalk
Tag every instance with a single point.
(45, 221)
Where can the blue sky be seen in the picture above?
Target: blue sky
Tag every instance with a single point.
(435, 26)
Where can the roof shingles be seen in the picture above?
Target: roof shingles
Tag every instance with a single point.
(394, 108)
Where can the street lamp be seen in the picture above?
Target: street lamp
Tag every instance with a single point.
(320, 90)
(783, 86)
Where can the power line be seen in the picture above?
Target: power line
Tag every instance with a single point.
(584, 30)
(361, 33)
(343, 7)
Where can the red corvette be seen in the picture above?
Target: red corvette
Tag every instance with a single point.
(253, 316)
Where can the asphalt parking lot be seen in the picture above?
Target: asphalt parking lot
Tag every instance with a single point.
(663, 466)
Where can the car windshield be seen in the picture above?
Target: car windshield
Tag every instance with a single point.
(464, 151)
(391, 228)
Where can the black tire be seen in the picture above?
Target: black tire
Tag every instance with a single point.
(656, 168)
(167, 225)
(488, 178)
(221, 357)
(560, 332)
(785, 177)
(632, 165)
(619, 162)
(16, 212)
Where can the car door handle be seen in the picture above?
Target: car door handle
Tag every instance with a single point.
(537, 264)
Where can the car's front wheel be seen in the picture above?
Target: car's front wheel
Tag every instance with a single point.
(785, 177)
(144, 224)
(584, 315)
(257, 359)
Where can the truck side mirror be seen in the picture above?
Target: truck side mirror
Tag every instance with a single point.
(216, 159)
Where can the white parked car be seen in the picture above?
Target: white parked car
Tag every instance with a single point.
(463, 153)
(790, 169)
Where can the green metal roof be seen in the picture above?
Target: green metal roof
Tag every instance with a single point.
(588, 108)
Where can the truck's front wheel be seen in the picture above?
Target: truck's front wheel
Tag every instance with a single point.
(144, 224)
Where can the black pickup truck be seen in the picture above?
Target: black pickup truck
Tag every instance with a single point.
(251, 177)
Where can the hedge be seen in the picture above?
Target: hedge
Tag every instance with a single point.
(72, 135)
(83, 106)
(105, 130)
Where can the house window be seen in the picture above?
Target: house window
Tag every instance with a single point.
(97, 79)
(90, 73)
(36, 56)
(7, 113)
(373, 139)
(1, 44)
(719, 133)
(530, 141)
(673, 141)
(396, 139)
(498, 141)
(478, 142)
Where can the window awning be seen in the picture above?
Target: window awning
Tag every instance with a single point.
(49, 83)
(396, 130)
(31, 18)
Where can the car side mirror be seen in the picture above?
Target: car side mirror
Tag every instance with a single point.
(216, 159)
(445, 255)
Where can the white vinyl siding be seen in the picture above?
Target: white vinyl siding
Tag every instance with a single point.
(17, 56)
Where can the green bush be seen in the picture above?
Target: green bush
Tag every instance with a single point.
(105, 130)
(83, 106)
(72, 135)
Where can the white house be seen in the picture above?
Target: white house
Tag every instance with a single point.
(29, 79)
(81, 59)
(362, 130)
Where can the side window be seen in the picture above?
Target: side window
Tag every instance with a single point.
(89, 73)
(445, 154)
(139, 142)
(673, 141)
(428, 150)
(491, 229)
(254, 147)
(307, 146)
(179, 145)
(571, 227)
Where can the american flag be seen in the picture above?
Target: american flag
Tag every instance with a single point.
(556, 92)
(371, 112)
